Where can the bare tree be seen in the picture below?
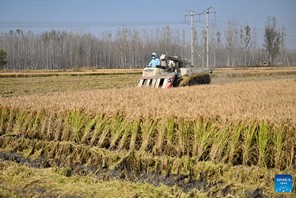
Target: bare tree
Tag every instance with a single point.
(232, 38)
(3, 56)
(245, 42)
(130, 48)
(283, 49)
(272, 38)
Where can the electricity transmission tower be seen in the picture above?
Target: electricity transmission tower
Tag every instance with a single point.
(192, 14)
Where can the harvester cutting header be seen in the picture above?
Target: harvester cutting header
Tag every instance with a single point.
(171, 71)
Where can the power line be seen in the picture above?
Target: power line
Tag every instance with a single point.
(85, 23)
(192, 14)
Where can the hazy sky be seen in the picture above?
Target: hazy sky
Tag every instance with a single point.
(97, 16)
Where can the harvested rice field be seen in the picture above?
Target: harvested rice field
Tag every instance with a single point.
(91, 136)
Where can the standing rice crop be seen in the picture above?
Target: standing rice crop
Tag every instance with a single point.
(177, 136)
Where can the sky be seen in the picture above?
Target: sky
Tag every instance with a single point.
(97, 16)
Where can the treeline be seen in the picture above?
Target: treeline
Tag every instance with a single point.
(63, 50)
(130, 48)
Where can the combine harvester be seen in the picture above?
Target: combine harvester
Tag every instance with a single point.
(173, 71)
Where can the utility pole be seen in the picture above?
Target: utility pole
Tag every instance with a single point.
(208, 38)
(192, 35)
(192, 14)
(207, 12)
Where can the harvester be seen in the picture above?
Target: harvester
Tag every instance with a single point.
(173, 71)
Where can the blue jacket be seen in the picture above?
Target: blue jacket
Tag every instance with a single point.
(154, 61)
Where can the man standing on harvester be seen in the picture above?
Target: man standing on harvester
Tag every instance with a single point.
(154, 61)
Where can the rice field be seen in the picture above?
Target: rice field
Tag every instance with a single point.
(227, 139)
(268, 100)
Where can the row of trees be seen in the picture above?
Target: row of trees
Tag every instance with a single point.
(130, 48)
(62, 50)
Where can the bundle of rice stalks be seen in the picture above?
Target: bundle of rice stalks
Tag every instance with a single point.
(193, 79)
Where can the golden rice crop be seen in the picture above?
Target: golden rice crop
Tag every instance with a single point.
(186, 134)
(261, 143)
(258, 118)
(182, 150)
(267, 100)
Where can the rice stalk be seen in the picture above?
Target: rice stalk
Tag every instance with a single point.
(3, 119)
(78, 120)
(84, 154)
(29, 121)
(220, 142)
(234, 146)
(99, 126)
(279, 145)
(165, 165)
(176, 166)
(160, 140)
(66, 130)
(58, 127)
(51, 150)
(118, 127)
(38, 152)
(28, 148)
(197, 130)
(186, 166)
(95, 158)
(262, 140)
(10, 122)
(135, 131)
(249, 143)
(290, 148)
(28, 152)
(204, 139)
(19, 122)
(153, 166)
(48, 130)
(87, 131)
(104, 141)
(129, 163)
(182, 131)
(170, 129)
(34, 124)
(124, 141)
(64, 151)
(147, 130)
(44, 121)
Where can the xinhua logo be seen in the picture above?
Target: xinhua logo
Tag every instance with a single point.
(283, 183)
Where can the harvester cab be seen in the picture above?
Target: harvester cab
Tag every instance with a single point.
(173, 71)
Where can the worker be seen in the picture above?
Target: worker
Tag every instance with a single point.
(154, 60)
